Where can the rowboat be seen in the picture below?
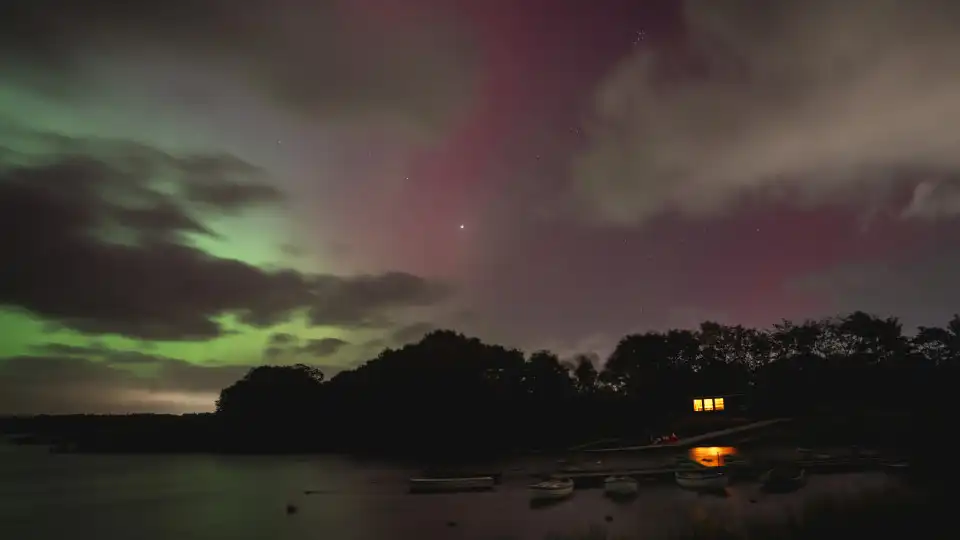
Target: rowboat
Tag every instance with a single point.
(896, 467)
(451, 485)
(706, 479)
(783, 478)
(551, 490)
(620, 486)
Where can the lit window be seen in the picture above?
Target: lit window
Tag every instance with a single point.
(718, 404)
(708, 404)
(698, 405)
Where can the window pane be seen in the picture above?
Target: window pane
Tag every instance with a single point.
(698, 405)
(718, 404)
(708, 404)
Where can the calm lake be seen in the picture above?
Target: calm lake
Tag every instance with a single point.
(47, 496)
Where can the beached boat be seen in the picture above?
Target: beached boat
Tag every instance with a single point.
(896, 467)
(620, 486)
(452, 485)
(705, 479)
(551, 490)
(783, 478)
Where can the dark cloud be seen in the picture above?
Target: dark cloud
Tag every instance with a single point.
(917, 286)
(67, 384)
(327, 56)
(139, 178)
(411, 332)
(91, 246)
(323, 347)
(356, 301)
(815, 100)
(289, 347)
(62, 349)
(283, 338)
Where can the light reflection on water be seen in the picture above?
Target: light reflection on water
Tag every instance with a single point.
(711, 456)
(52, 497)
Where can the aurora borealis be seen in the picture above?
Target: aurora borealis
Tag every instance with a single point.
(189, 188)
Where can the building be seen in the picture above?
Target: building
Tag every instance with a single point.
(716, 403)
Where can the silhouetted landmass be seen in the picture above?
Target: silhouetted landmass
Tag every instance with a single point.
(450, 395)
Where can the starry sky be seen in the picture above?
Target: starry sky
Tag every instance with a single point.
(192, 187)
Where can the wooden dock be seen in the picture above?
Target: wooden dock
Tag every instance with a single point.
(595, 477)
(682, 443)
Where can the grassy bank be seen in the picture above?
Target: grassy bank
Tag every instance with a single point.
(890, 514)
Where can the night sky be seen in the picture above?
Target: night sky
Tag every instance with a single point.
(192, 187)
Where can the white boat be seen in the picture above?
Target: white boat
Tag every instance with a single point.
(620, 486)
(896, 467)
(551, 490)
(449, 485)
(702, 479)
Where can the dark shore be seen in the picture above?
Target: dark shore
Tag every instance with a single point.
(852, 380)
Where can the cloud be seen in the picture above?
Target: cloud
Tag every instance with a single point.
(411, 332)
(62, 378)
(97, 380)
(324, 347)
(809, 99)
(289, 348)
(331, 57)
(917, 286)
(356, 301)
(283, 338)
(93, 246)
(933, 199)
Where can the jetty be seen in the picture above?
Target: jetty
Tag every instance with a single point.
(595, 477)
(681, 443)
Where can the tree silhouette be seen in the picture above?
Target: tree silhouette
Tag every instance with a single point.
(586, 375)
(450, 394)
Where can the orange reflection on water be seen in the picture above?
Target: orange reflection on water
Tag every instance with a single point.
(711, 456)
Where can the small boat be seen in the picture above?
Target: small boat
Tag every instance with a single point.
(620, 486)
(551, 490)
(705, 479)
(783, 478)
(896, 467)
(452, 485)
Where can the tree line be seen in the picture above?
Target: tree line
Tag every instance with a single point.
(449, 393)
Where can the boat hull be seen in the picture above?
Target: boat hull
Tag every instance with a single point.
(773, 482)
(702, 482)
(551, 491)
(620, 486)
(451, 485)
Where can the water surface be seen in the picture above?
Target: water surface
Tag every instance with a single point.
(58, 496)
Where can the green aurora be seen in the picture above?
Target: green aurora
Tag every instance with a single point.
(265, 237)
